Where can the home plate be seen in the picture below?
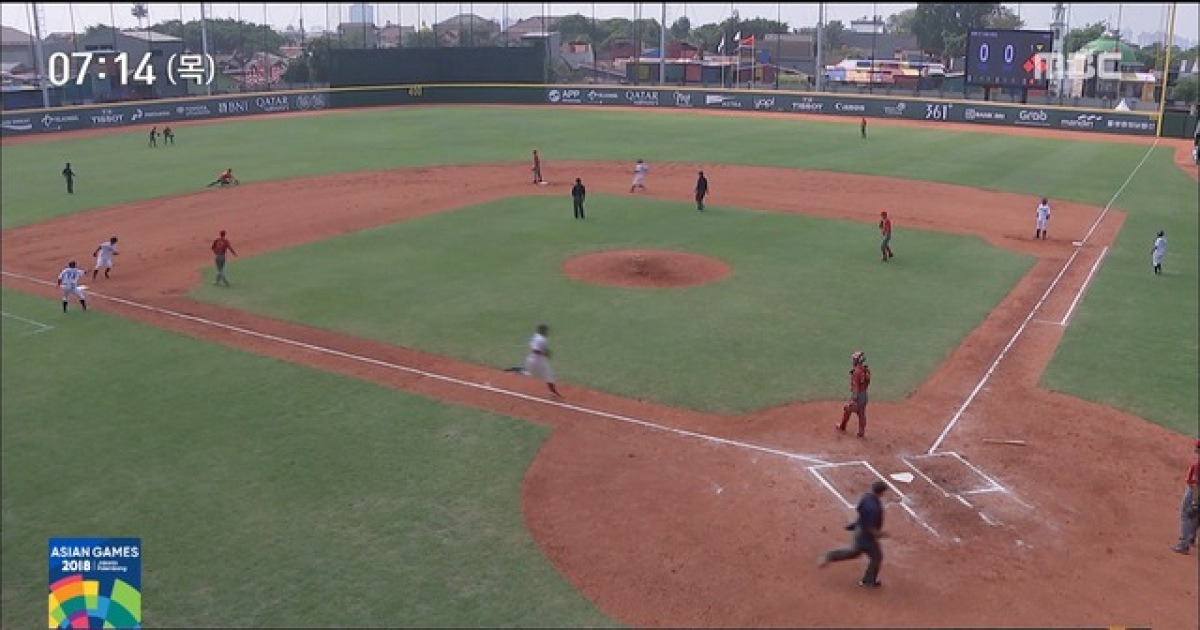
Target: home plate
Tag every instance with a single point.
(902, 477)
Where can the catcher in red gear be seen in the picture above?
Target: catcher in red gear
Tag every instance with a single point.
(860, 380)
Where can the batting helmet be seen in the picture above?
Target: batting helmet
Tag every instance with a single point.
(858, 357)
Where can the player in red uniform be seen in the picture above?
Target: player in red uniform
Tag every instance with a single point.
(885, 230)
(860, 380)
(225, 178)
(221, 246)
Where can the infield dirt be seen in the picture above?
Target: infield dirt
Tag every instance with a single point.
(665, 529)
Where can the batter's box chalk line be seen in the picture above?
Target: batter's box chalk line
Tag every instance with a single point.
(990, 484)
(38, 327)
(903, 502)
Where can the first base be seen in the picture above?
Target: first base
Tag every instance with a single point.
(1077, 243)
(83, 287)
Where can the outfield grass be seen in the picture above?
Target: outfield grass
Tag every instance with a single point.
(804, 293)
(1121, 308)
(265, 494)
(1133, 342)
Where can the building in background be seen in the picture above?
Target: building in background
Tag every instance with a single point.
(362, 12)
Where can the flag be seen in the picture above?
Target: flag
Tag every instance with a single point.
(738, 37)
(749, 41)
(721, 46)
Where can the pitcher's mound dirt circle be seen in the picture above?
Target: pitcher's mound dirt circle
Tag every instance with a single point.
(645, 268)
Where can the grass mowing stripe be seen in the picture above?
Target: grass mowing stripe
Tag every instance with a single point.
(442, 377)
(343, 502)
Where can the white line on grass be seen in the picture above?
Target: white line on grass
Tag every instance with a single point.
(1082, 289)
(1028, 318)
(41, 327)
(442, 377)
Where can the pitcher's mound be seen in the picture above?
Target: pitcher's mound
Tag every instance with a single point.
(645, 268)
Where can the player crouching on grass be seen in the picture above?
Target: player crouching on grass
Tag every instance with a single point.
(224, 179)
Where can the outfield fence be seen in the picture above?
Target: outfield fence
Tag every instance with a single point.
(933, 110)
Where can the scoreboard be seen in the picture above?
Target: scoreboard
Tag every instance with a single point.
(997, 58)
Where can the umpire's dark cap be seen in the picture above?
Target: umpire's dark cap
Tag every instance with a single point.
(879, 487)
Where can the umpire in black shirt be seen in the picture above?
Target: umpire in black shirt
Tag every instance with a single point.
(868, 529)
(578, 192)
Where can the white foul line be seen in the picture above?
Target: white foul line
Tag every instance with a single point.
(1082, 289)
(442, 377)
(41, 328)
(1020, 329)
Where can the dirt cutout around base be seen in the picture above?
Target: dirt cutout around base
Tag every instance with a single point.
(645, 268)
(663, 516)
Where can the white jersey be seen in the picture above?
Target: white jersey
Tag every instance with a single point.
(1043, 212)
(69, 277)
(641, 169)
(538, 345)
(106, 250)
(1160, 248)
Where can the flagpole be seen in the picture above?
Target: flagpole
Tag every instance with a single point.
(721, 51)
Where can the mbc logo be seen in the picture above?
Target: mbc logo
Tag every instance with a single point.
(1055, 66)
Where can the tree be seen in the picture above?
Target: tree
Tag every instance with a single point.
(708, 37)
(901, 23)
(140, 12)
(225, 35)
(297, 71)
(576, 27)
(1186, 89)
(423, 38)
(681, 29)
(1006, 19)
(833, 34)
(319, 55)
(933, 22)
(1077, 37)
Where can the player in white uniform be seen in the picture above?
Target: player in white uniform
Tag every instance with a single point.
(68, 281)
(1043, 219)
(104, 253)
(1158, 252)
(537, 360)
(639, 175)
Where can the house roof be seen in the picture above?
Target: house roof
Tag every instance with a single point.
(10, 36)
(150, 36)
(466, 21)
(884, 43)
(536, 24)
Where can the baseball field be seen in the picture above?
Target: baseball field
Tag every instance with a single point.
(332, 440)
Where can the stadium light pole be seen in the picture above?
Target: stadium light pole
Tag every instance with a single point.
(40, 62)
(204, 44)
(819, 66)
(662, 47)
(1162, 100)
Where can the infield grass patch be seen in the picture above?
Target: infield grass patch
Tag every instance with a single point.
(265, 494)
(804, 294)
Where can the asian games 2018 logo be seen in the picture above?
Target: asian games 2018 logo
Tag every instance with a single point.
(95, 582)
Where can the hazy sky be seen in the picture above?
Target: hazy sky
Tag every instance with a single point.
(1132, 19)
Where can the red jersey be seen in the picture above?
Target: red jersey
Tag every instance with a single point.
(222, 245)
(860, 378)
(885, 227)
(1191, 474)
